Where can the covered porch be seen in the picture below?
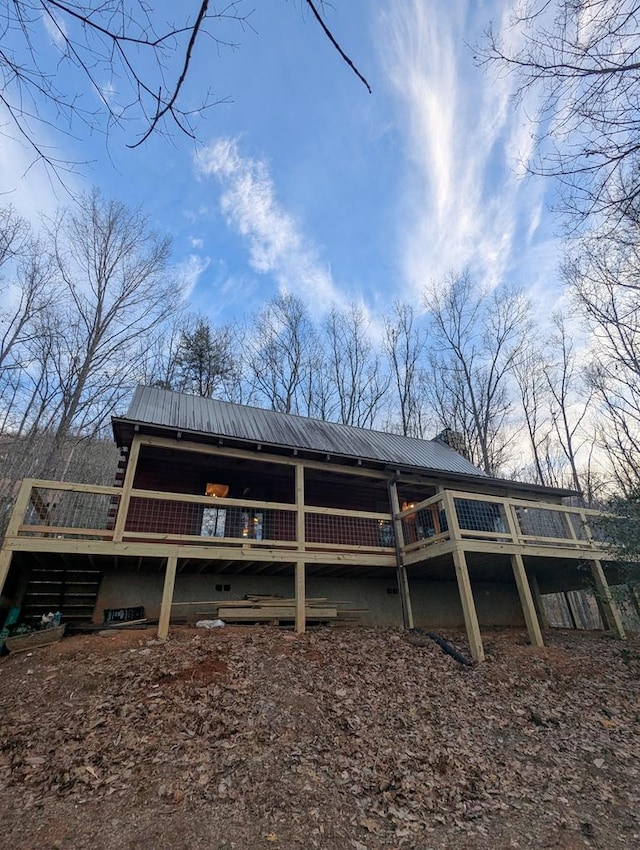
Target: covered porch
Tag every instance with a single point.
(189, 509)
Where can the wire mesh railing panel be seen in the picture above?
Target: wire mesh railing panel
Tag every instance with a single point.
(66, 509)
(348, 530)
(476, 515)
(602, 530)
(542, 522)
(424, 523)
(169, 517)
(578, 526)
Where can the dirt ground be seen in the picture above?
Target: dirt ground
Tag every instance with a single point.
(341, 739)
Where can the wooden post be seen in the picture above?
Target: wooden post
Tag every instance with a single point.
(401, 571)
(537, 600)
(462, 577)
(5, 563)
(15, 521)
(300, 591)
(301, 600)
(526, 600)
(127, 484)
(19, 507)
(468, 605)
(609, 610)
(167, 597)
(574, 614)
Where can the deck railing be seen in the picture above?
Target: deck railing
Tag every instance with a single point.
(65, 510)
(473, 517)
(80, 511)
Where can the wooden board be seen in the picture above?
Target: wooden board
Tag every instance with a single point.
(285, 612)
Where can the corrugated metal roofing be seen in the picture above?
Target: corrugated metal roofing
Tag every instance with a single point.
(154, 406)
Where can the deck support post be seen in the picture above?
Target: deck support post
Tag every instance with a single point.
(403, 579)
(468, 605)
(574, 614)
(300, 579)
(608, 608)
(167, 597)
(13, 526)
(537, 600)
(5, 563)
(526, 601)
(301, 600)
(464, 583)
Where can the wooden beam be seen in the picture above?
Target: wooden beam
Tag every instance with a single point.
(162, 550)
(537, 599)
(127, 486)
(468, 606)
(526, 601)
(5, 563)
(464, 584)
(47, 484)
(300, 524)
(401, 570)
(609, 608)
(19, 507)
(301, 620)
(574, 614)
(167, 598)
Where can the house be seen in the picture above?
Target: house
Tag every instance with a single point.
(216, 501)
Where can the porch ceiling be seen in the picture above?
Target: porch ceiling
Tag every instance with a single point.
(553, 574)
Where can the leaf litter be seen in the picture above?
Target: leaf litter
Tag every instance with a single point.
(252, 737)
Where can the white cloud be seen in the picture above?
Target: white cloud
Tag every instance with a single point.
(464, 204)
(55, 27)
(189, 271)
(275, 241)
(197, 243)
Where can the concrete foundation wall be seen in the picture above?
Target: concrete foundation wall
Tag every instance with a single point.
(435, 604)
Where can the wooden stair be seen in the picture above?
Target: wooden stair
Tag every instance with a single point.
(71, 591)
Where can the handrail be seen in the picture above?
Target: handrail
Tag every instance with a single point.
(97, 517)
(46, 484)
(40, 512)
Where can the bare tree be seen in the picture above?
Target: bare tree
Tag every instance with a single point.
(405, 344)
(356, 373)
(159, 363)
(114, 63)
(116, 293)
(570, 394)
(26, 290)
(474, 342)
(533, 389)
(281, 351)
(581, 58)
(603, 275)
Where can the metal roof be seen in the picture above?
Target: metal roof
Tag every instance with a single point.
(212, 417)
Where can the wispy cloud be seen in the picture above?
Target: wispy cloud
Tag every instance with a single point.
(276, 243)
(189, 271)
(465, 204)
(55, 27)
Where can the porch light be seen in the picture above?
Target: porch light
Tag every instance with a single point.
(217, 491)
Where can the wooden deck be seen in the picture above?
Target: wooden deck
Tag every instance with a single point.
(82, 519)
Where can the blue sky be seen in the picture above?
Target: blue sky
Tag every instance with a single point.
(304, 182)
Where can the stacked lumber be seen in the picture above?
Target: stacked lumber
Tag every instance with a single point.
(260, 609)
